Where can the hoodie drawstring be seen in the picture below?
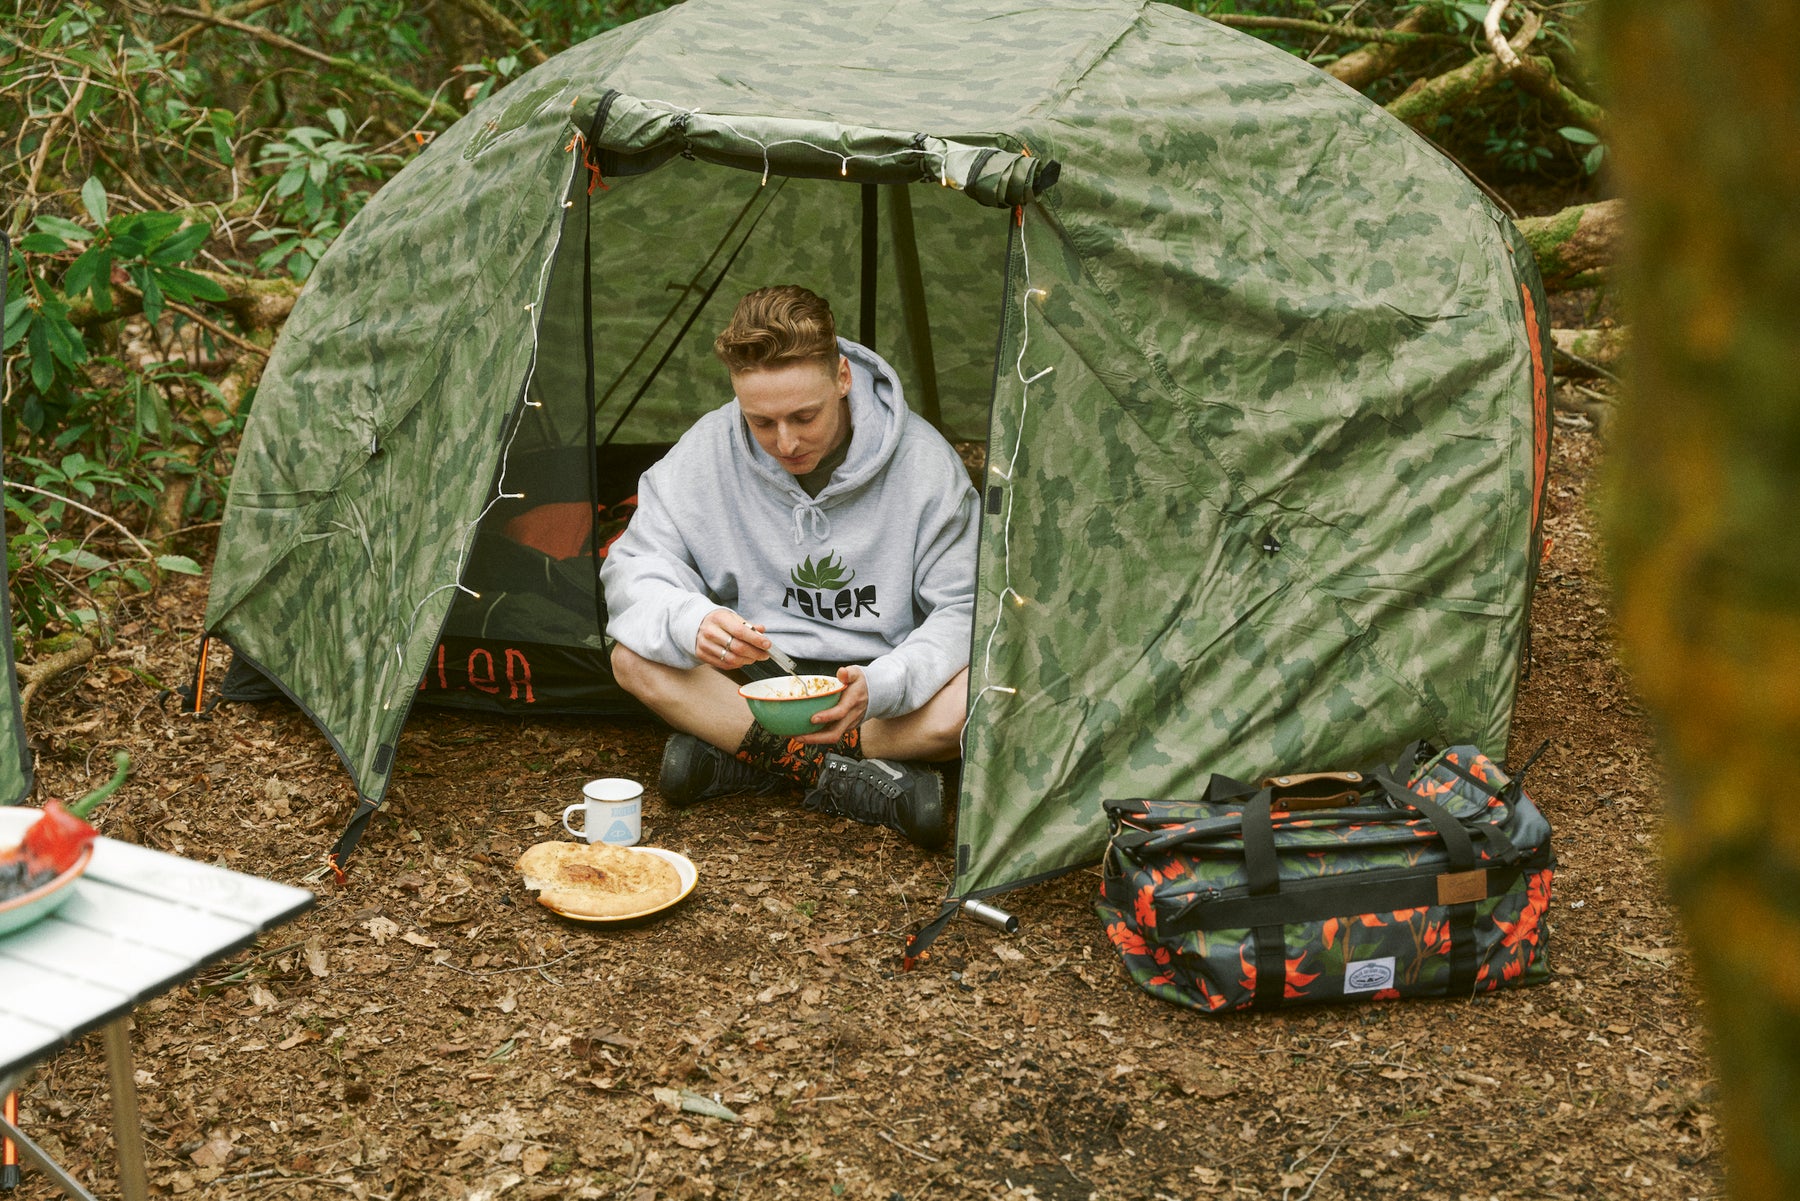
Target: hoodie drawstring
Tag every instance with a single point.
(821, 524)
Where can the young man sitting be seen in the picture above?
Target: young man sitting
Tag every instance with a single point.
(816, 512)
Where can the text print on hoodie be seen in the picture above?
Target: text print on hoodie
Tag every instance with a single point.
(880, 566)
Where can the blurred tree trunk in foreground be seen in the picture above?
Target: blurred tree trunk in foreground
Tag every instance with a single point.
(1704, 515)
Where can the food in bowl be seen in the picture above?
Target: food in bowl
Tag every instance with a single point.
(786, 704)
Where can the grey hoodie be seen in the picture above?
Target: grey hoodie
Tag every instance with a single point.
(880, 566)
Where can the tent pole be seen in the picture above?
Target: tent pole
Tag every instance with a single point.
(871, 251)
(912, 302)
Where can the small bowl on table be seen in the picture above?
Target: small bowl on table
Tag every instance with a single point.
(24, 909)
(781, 706)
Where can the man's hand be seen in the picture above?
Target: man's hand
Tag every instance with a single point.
(726, 641)
(852, 704)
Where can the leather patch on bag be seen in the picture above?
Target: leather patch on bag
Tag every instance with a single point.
(1456, 888)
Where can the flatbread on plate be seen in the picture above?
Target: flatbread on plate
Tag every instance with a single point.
(598, 880)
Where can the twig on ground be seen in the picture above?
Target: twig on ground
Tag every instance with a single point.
(1588, 364)
(892, 1141)
(529, 967)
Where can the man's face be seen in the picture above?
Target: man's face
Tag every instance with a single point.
(796, 412)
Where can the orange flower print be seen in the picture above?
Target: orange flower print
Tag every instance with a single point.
(1126, 939)
(1295, 982)
(1145, 907)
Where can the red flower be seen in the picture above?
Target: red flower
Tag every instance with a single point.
(1126, 939)
(1371, 921)
(1537, 901)
(1248, 983)
(1329, 931)
(1295, 981)
(1146, 907)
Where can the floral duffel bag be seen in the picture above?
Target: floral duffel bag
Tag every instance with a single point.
(1430, 877)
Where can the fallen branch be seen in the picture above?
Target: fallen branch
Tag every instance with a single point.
(1366, 64)
(1496, 40)
(256, 303)
(1594, 352)
(1427, 98)
(1400, 35)
(1579, 239)
(34, 676)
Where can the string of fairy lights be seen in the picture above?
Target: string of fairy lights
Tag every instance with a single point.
(501, 491)
(940, 159)
(1027, 296)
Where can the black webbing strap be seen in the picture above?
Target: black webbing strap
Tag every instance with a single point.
(918, 943)
(1461, 850)
(1461, 921)
(1263, 873)
(1457, 843)
(1517, 785)
(353, 832)
(1318, 899)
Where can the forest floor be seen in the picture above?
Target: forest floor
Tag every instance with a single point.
(429, 1031)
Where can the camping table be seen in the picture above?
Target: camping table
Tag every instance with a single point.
(140, 923)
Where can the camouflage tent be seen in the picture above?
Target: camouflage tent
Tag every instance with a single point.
(1260, 376)
(15, 752)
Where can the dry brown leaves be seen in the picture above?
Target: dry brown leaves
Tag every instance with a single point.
(428, 1031)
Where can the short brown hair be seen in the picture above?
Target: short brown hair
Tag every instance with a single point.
(775, 326)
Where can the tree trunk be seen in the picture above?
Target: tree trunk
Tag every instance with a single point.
(1702, 521)
(1364, 66)
(256, 303)
(1581, 238)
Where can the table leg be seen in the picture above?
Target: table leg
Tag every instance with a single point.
(9, 1154)
(134, 1182)
(34, 1154)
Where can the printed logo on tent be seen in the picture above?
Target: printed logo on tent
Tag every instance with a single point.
(1368, 975)
(823, 590)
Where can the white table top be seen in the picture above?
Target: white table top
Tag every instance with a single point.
(140, 922)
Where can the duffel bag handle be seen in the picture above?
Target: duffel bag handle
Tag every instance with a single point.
(1315, 790)
(1457, 843)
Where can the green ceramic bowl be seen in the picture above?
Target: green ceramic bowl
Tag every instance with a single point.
(780, 708)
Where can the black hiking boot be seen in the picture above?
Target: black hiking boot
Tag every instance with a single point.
(880, 792)
(696, 770)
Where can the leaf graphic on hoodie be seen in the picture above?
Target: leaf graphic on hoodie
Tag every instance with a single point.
(825, 575)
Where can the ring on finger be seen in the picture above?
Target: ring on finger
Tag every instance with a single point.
(730, 640)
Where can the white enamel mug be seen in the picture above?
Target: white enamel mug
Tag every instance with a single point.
(612, 812)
